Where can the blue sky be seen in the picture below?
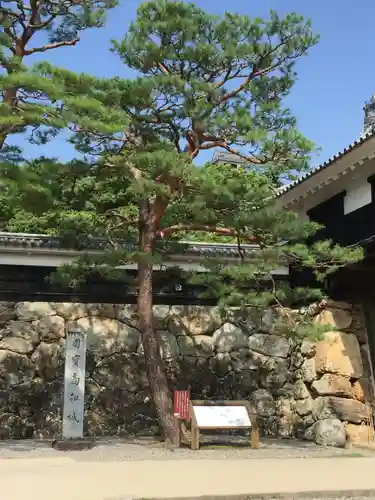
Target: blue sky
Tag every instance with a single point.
(334, 82)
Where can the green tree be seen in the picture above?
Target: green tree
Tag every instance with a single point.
(26, 99)
(203, 82)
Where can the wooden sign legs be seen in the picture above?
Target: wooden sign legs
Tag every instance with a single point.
(254, 437)
(194, 437)
(194, 430)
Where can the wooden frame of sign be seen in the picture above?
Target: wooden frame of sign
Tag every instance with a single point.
(195, 428)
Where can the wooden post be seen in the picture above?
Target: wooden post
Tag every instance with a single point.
(255, 438)
(194, 437)
(180, 431)
(254, 426)
(194, 430)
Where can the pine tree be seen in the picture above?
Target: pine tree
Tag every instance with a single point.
(204, 82)
(26, 99)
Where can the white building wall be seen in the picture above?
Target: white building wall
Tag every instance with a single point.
(358, 195)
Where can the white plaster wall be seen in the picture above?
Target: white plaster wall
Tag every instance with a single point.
(358, 195)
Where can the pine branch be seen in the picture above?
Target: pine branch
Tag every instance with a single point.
(135, 172)
(223, 145)
(256, 72)
(124, 223)
(225, 79)
(164, 68)
(20, 18)
(50, 46)
(183, 228)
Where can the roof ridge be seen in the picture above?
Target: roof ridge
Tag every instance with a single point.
(48, 242)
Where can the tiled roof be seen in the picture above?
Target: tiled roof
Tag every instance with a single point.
(31, 242)
(324, 165)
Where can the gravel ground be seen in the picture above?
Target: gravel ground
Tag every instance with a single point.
(115, 449)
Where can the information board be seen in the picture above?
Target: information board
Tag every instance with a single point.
(222, 416)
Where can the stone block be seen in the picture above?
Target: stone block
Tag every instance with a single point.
(264, 403)
(230, 337)
(15, 369)
(194, 320)
(330, 432)
(304, 406)
(296, 359)
(72, 310)
(361, 390)
(285, 428)
(308, 370)
(339, 353)
(128, 314)
(221, 364)
(106, 335)
(160, 313)
(308, 347)
(359, 433)
(333, 385)
(347, 410)
(268, 321)
(23, 329)
(338, 318)
(29, 311)
(285, 406)
(300, 391)
(48, 358)
(16, 344)
(7, 312)
(270, 345)
(105, 310)
(244, 359)
(309, 434)
(273, 382)
(204, 346)
(50, 328)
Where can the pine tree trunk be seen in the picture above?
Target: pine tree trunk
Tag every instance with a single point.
(155, 370)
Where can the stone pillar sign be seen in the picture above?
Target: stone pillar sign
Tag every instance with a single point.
(74, 385)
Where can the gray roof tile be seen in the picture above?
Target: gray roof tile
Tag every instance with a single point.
(324, 165)
(41, 241)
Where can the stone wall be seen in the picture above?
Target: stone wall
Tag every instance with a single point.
(300, 388)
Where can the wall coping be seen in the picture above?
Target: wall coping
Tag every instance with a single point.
(49, 251)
